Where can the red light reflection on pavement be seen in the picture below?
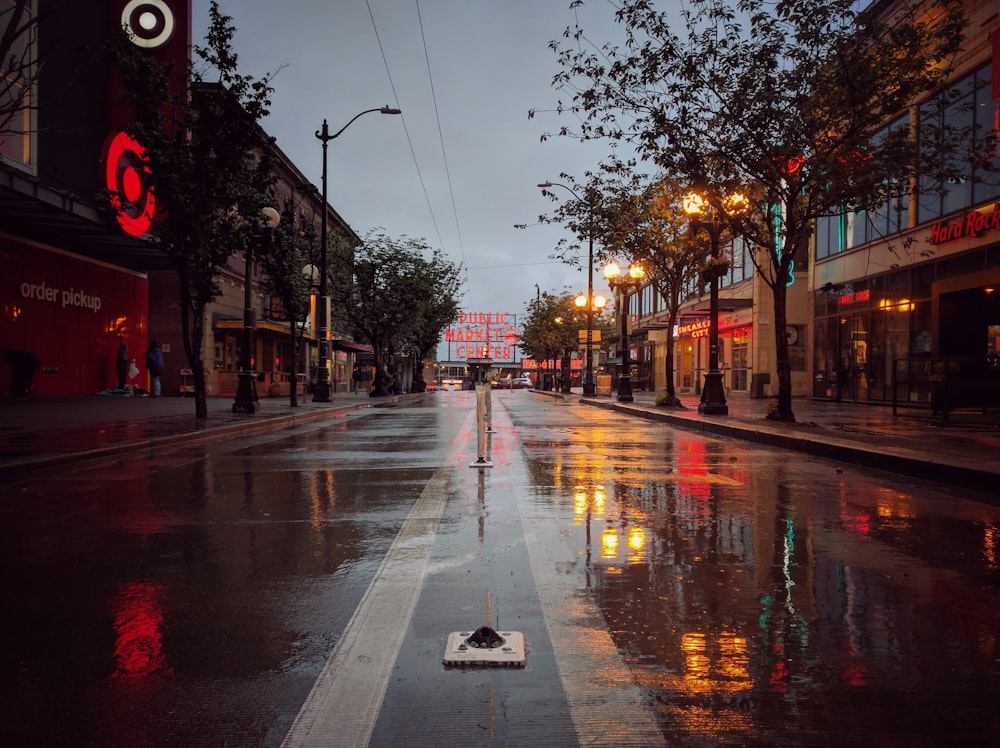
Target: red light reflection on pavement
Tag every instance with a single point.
(138, 630)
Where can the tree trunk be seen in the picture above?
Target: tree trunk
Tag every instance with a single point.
(192, 347)
(784, 412)
(380, 385)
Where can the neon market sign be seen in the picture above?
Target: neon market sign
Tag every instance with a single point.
(973, 223)
(483, 335)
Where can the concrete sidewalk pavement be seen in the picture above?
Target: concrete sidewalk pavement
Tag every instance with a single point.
(47, 432)
(958, 452)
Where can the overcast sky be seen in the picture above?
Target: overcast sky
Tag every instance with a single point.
(490, 64)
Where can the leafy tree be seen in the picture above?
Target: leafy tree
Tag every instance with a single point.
(292, 247)
(209, 164)
(653, 231)
(636, 218)
(399, 295)
(788, 102)
(550, 327)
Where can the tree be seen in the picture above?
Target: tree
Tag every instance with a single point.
(398, 295)
(209, 164)
(550, 328)
(799, 105)
(652, 231)
(636, 217)
(292, 247)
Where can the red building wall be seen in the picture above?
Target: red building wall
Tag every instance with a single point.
(72, 313)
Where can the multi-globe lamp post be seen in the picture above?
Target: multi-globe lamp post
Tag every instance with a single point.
(590, 302)
(246, 396)
(714, 217)
(621, 284)
(321, 387)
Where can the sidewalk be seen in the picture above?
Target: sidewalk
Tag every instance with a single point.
(47, 432)
(962, 453)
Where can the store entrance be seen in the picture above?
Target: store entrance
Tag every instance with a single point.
(853, 376)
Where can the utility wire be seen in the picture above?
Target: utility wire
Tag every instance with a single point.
(409, 140)
(444, 152)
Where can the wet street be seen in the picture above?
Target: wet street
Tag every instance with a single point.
(298, 589)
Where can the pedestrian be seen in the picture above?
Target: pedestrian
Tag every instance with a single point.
(154, 365)
(121, 364)
(23, 365)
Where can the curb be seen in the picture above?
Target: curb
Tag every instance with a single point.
(893, 460)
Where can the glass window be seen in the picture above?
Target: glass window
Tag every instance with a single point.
(17, 92)
(962, 114)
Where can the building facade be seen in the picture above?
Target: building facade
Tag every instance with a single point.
(80, 279)
(903, 297)
(890, 303)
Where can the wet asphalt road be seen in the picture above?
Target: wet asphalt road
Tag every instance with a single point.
(298, 589)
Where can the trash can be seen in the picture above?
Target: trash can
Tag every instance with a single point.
(757, 384)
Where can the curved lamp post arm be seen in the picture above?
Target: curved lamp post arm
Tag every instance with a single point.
(321, 388)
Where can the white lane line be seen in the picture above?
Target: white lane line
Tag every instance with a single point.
(343, 706)
(605, 703)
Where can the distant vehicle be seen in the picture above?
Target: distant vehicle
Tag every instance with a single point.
(515, 383)
(451, 384)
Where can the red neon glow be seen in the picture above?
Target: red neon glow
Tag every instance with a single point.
(851, 298)
(127, 175)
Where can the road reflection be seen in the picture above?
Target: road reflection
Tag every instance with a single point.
(766, 599)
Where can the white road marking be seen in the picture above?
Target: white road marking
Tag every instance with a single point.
(343, 706)
(605, 703)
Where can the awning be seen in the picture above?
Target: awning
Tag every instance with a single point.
(346, 345)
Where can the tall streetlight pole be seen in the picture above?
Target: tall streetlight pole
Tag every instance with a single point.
(246, 394)
(713, 394)
(321, 388)
(588, 378)
(621, 283)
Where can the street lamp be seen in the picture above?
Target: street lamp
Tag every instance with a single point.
(713, 394)
(321, 388)
(621, 283)
(246, 394)
(590, 303)
(588, 377)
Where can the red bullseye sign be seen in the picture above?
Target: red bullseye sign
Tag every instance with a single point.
(129, 179)
(148, 23)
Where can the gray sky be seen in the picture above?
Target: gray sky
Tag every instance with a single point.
(489, 62)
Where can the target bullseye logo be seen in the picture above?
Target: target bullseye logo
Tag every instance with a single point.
(148, 23)
(129, 180)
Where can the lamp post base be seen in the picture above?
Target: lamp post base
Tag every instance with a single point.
(625, 389)
(713, 396)
(246, 397)
(321, 392)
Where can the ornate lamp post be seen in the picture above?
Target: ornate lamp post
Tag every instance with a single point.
(321, 388)
(621, 283)
(713, 218)
(589, 387)
(246, 393)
